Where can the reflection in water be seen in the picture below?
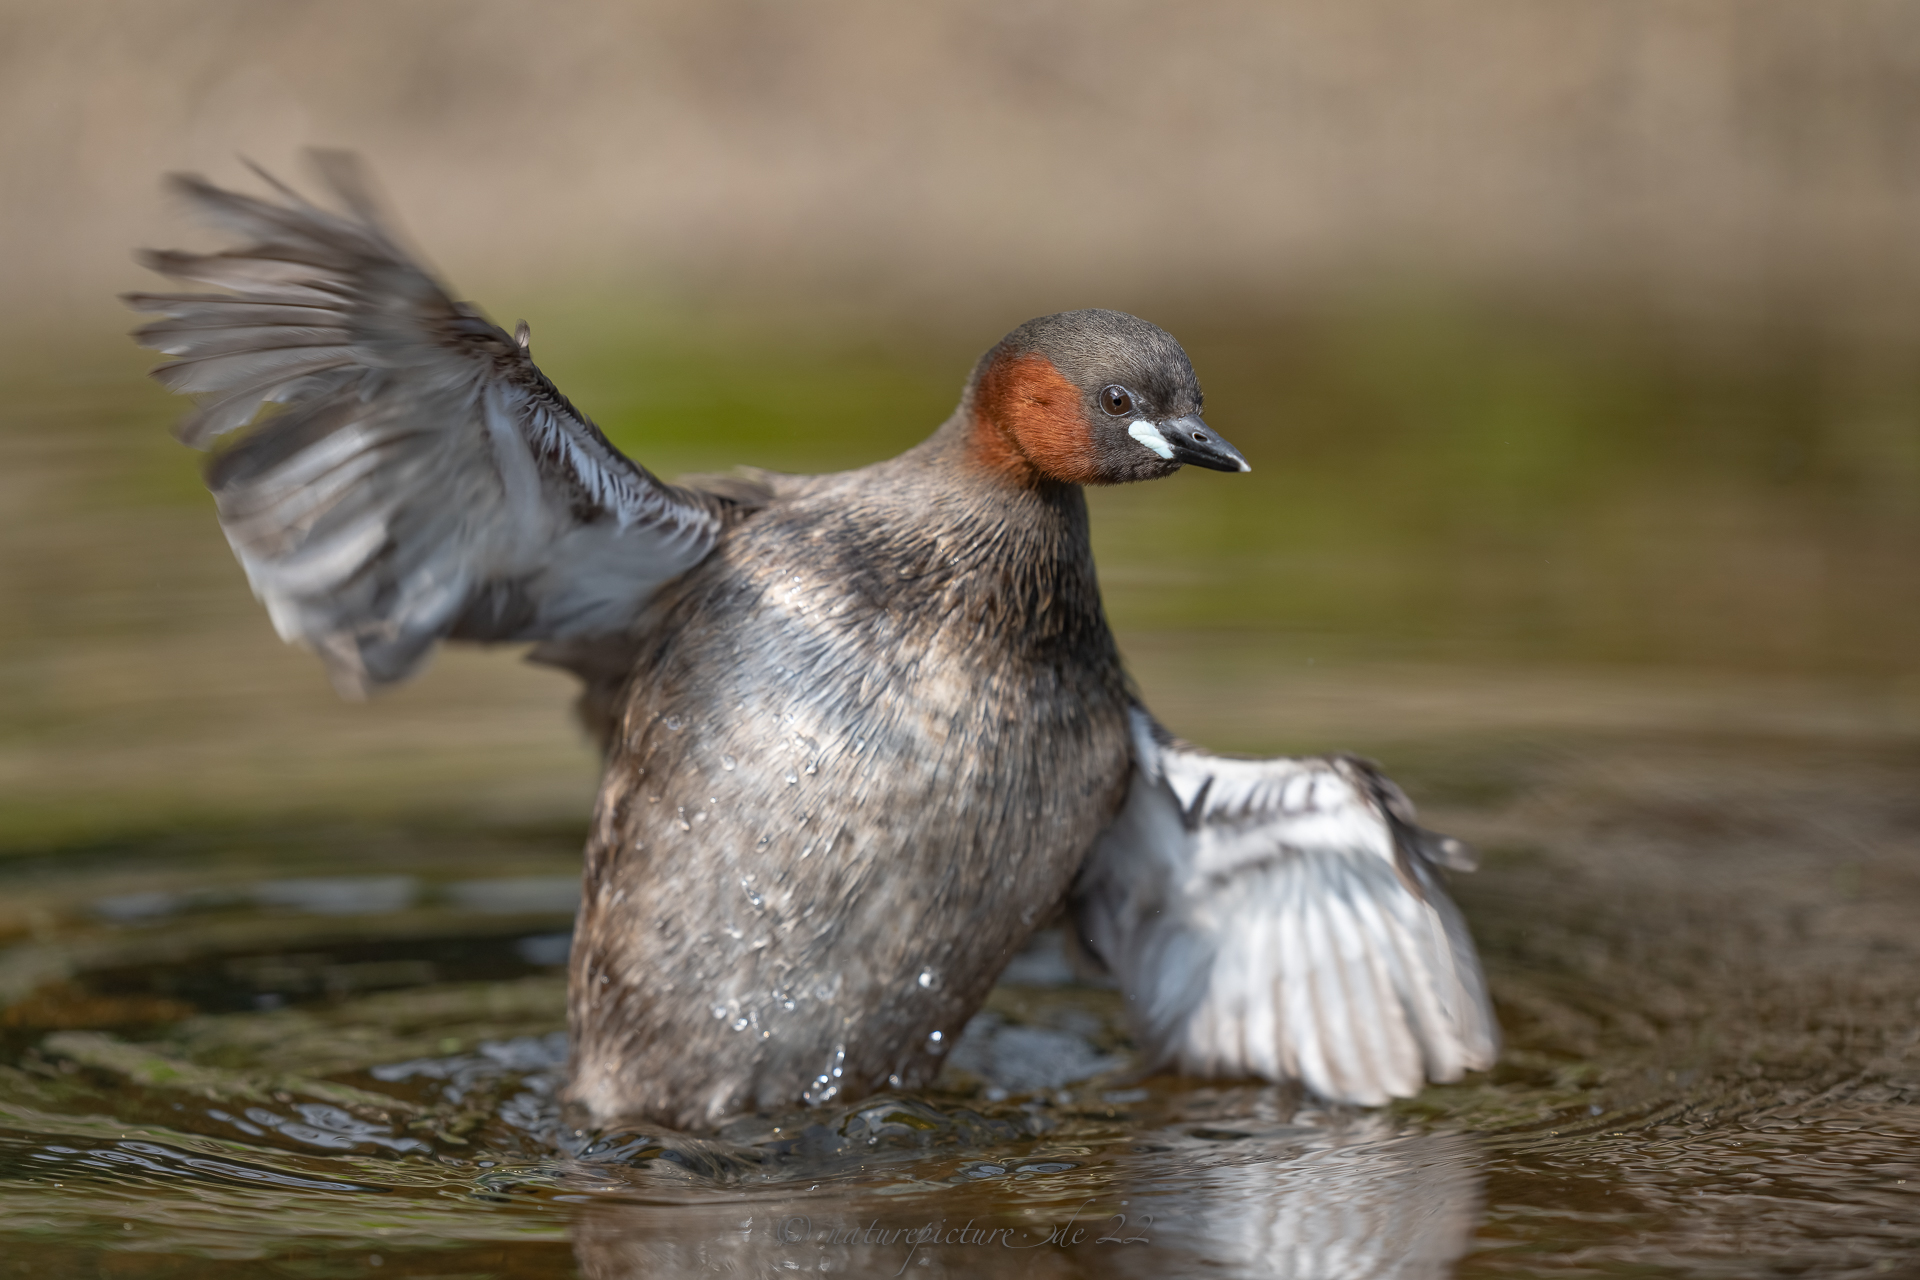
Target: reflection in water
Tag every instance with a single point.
(1354, 1202)
(1401, 1208)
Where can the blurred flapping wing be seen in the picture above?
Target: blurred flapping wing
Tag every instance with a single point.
(1285, 919)
(423, 479)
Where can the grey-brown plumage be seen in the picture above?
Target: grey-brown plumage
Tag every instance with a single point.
(863, 731)
(426, 481)
(865, 748)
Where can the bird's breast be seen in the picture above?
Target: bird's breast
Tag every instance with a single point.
(843, 789)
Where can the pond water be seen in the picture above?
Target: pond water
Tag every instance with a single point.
(281, 980)
(1702, 946)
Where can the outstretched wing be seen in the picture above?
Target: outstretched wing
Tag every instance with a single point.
(1285, 919)
(424, 480)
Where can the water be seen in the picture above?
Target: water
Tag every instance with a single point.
(1701, 946)
(281, 979)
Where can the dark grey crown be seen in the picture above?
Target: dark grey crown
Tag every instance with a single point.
(1095, 348)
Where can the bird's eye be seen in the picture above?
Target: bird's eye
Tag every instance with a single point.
(1116, 400)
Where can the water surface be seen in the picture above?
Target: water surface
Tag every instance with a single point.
(280, 977)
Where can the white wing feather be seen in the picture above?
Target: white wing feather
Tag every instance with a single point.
(424, 481)
(1284, 919)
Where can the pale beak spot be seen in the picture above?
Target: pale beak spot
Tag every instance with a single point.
(1149, 435)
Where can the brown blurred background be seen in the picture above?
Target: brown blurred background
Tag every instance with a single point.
(1719, 156)
(1573, 345)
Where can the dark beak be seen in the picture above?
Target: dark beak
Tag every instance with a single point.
(1196, 444)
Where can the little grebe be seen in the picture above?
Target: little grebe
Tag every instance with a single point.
(863, 732)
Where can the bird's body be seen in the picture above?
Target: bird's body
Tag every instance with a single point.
(863, 732)
(864, 749)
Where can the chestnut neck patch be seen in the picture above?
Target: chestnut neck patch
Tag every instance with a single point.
(1029, 423)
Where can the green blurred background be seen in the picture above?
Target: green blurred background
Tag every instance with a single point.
(1573, 345)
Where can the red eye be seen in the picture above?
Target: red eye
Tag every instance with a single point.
(1116, 400)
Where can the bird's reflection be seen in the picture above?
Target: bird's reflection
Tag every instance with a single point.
(1355, 1204)
(1319, 1202)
